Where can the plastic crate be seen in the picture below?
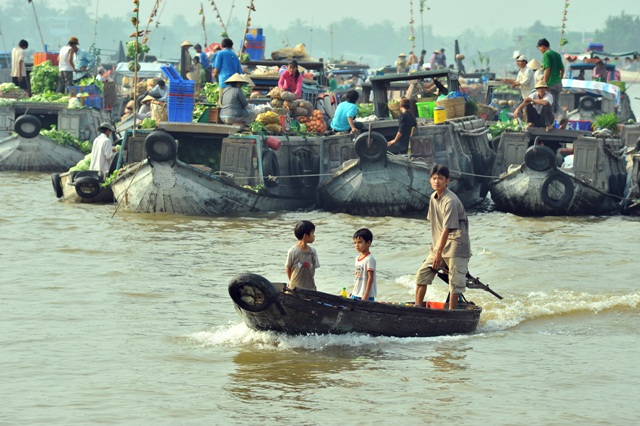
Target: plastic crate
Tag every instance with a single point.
(94, 101)
(180, 113)
(171, 73)
(425, 109)
(579, 125)
(310, 92)
(182, 87)
(40, 57)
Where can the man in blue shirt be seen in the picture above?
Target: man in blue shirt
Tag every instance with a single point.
(84, 62)
(204, 61)
(226, 63)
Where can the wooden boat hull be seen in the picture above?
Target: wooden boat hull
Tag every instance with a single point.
(272, 307)
(381, 184)
(81, 188)
(37, 154)
(631, 202)
(594, 184)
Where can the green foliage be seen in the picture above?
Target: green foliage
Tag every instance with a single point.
(91, 80)
(148, 123)
(109, 179)
(498, 128)
(143, 49)
(212, 93)
(607, 121)
(62, 137)
(620, 33)
(47, 96)
(365, 110)
(44, 78)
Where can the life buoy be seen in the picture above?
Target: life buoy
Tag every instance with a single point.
(57, 184)
(305, 166)
(161, 146)
(587, 103)
(557, 190)
(466, 171)
(270, 168)
(252, 292)
(371, 152)
(88, 186)
(28, 126)
(539, 158)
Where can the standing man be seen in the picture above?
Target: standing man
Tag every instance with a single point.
(442, 59)
(524, 81)
(18, 68)
(226, 63)
(204, 62)
(450, 244)
(406, 124)
(66, 65)
(103, 150)
(84, 62)
(553, 73)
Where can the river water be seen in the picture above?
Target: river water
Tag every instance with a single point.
(127, 320)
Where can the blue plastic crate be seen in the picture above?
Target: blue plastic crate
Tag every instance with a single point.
(94, 101)
(180, 115)
(172, 73)
(181, 100)
(180, 87)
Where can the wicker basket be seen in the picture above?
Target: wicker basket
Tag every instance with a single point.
(394, 109)
(453, 107)
(159, 111)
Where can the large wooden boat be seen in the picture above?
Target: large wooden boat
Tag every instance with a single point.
(274, 307)
(207, 169)
(536, 179)
(379, 183)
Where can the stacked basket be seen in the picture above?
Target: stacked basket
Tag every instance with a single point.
(454, 107)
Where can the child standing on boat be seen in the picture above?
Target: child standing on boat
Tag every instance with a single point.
(450, 244)
(364, 285)
(302, 260)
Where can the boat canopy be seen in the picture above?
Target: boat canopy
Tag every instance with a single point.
(596, 88)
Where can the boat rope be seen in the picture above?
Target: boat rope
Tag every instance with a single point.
(126, 191)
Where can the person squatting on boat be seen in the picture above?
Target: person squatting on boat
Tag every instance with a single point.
(406, 123)
(344, 117)
(365, 283)
(538, 107)
(103, 151)
(302, 259)
(233, 103)
(450, 244)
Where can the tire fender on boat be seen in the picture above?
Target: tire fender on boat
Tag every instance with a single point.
(28, 126)
(270, 168)
(252, 292)
(540, 158)
(161, 146)
(305, 166)
(57, 184)
(88, 186)
(373, 152)
(587, 103)
(554, 179)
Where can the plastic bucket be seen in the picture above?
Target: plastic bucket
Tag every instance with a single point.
(273, 143)
(425, 109)
(439, 115)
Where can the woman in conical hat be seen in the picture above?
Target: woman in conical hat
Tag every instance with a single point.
(234, 107)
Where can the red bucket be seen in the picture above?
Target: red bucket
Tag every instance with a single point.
(273, 143)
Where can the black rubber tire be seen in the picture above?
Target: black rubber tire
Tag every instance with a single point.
(305, 165)
(161, 146)
(563, 180)
(270, 167)
(252, 292)
(466, 170)
(84, 173)
(540, 158)
(57, 184)
(88, 186)
(374, 153)
(28, 126)
(587, 103)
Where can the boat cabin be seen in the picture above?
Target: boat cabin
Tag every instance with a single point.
(584, 71)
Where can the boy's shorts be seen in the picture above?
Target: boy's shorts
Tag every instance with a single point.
(458, 269)
(371, 299)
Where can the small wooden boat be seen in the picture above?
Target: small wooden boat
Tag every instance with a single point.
(274, 307)
(534, 180)
(81, 187)
(382, 184)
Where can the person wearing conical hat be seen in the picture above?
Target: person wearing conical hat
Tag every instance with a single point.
(145, 107)
(401, 63)
(234, 107)
(185, 58)
(536, 66)
(103, 151)
(538, 107)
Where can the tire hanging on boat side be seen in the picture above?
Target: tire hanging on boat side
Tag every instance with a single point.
(550, 182)
(88, 186)
(270, 168)
(57, 184)
(540, 158)
(373, 152)
(28, 126)
(252, 292)
(161, 146)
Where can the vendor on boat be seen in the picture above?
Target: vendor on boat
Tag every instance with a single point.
(291, 79)
(406, 125)
(234, 105)
(160, 91)
(145, 108)
(344, 117)
(538, 107)
(103, 150)
(525, 79)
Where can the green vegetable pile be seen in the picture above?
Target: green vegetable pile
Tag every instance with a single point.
(44, 78)
(8, 87)
(211, 92)
(82, 164)
(109, 179)
(606, 121)
(365, 110)
(64, 138)
(501, 126)
(148, 123)
(91, 80)
(47, 96)
(198, 110)
(143, 49)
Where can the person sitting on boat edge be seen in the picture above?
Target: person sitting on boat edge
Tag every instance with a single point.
(406, 124)
(344, 117)
(103, 151)
(302, 259)
(233, 103)
(145, 108)
(538, 106)
(450, 243)
(364, 283)
(291, 79)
